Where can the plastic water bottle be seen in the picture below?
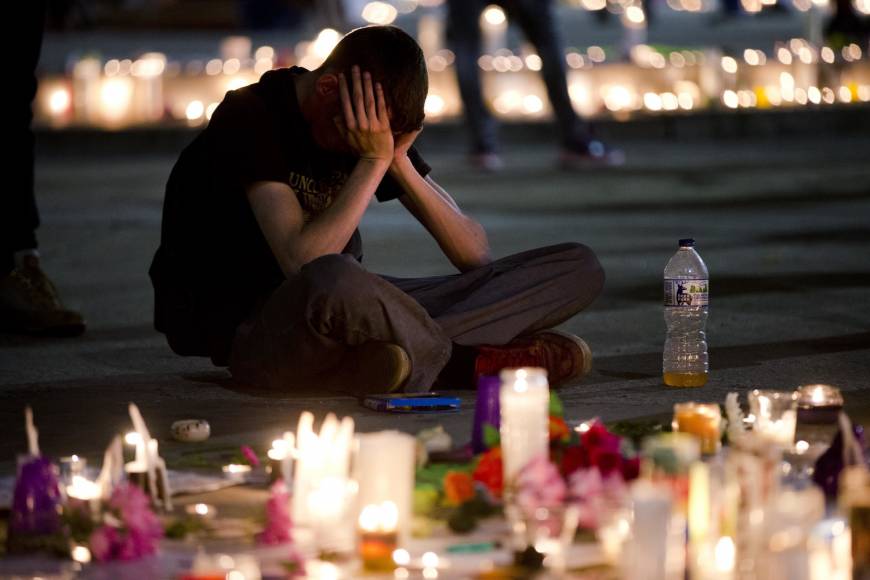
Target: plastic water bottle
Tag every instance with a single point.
(684, 362)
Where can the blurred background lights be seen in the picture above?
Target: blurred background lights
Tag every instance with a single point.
(379, 13)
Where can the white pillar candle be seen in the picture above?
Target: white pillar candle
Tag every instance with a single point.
(524, 400)
(319, 457)
(384, 469)
(646, 553)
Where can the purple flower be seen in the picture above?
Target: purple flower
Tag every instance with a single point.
(36, 499)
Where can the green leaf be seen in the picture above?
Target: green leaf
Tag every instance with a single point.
(491, 436)
(556, 407)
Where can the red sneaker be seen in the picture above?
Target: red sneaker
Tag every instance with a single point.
(565, 356)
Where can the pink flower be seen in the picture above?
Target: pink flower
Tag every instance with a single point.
(102, 542)
(250, 456)
(278, 521)
(539, 484)
(136, 532)
(594, 494)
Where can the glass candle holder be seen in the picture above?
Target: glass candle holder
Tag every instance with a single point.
(486, 411)
(667, 459)
(378, 536)
(703, 420)
(819, 404)
(775, 415)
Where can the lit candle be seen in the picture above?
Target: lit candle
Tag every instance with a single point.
(236, 469)
(70, 467)
(281, 457)
(378, 535)
(647, 551)
(703, 420)
(384, 469)
(524, 402)
(775, 415)
(201, 510)
(148, 469)
(318, 457)
(819, 404)
(699, 503)
(84, 492)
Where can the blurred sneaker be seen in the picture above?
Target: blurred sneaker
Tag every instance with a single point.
(565, 356)
(376, 367)
(29, 304)
(487, 161)
(590, 155)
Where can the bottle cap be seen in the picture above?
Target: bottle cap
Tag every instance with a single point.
(687, 243)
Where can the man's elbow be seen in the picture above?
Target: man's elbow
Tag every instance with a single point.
(477, 259)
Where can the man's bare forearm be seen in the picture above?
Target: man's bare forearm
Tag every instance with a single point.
(330, 231)
(462, 239)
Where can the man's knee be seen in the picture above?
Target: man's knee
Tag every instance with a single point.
(587, 269)
(335, 277)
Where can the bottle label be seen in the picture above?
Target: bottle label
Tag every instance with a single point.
(682, 292)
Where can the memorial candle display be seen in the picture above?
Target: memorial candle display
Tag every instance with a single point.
(524, 400)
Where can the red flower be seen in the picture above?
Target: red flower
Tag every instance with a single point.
(631, 468)
(598, 437)
(559, 430)
(573, 458)
(605, 460)
(489, 471)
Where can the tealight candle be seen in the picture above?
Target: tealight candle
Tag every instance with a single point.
(201, 510)
(703, 420)
(775, 415)
(72, 466)
(819, 404)
(281, 458)
(236, 469)
(378, 536)
(84, 492)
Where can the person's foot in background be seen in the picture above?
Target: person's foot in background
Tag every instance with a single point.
(589, 155)
(486, 161)
(29, 303)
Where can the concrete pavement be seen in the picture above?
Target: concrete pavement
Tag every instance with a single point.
(782, 225)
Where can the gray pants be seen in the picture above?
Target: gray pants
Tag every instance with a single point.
(296, 340)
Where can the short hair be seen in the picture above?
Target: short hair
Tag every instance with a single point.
(396, 61)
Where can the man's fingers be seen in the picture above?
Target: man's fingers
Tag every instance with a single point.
(358, 101)
(371, 107)
(346, 107)
(383, 114)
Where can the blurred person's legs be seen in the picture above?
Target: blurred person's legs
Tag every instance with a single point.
(464, 37)
(28, 300)
(535, 18)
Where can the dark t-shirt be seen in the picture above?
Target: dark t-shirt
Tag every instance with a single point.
(214, 266)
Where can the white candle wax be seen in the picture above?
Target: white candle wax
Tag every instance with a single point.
(524, 399)
(319, 457)
(384, 469)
